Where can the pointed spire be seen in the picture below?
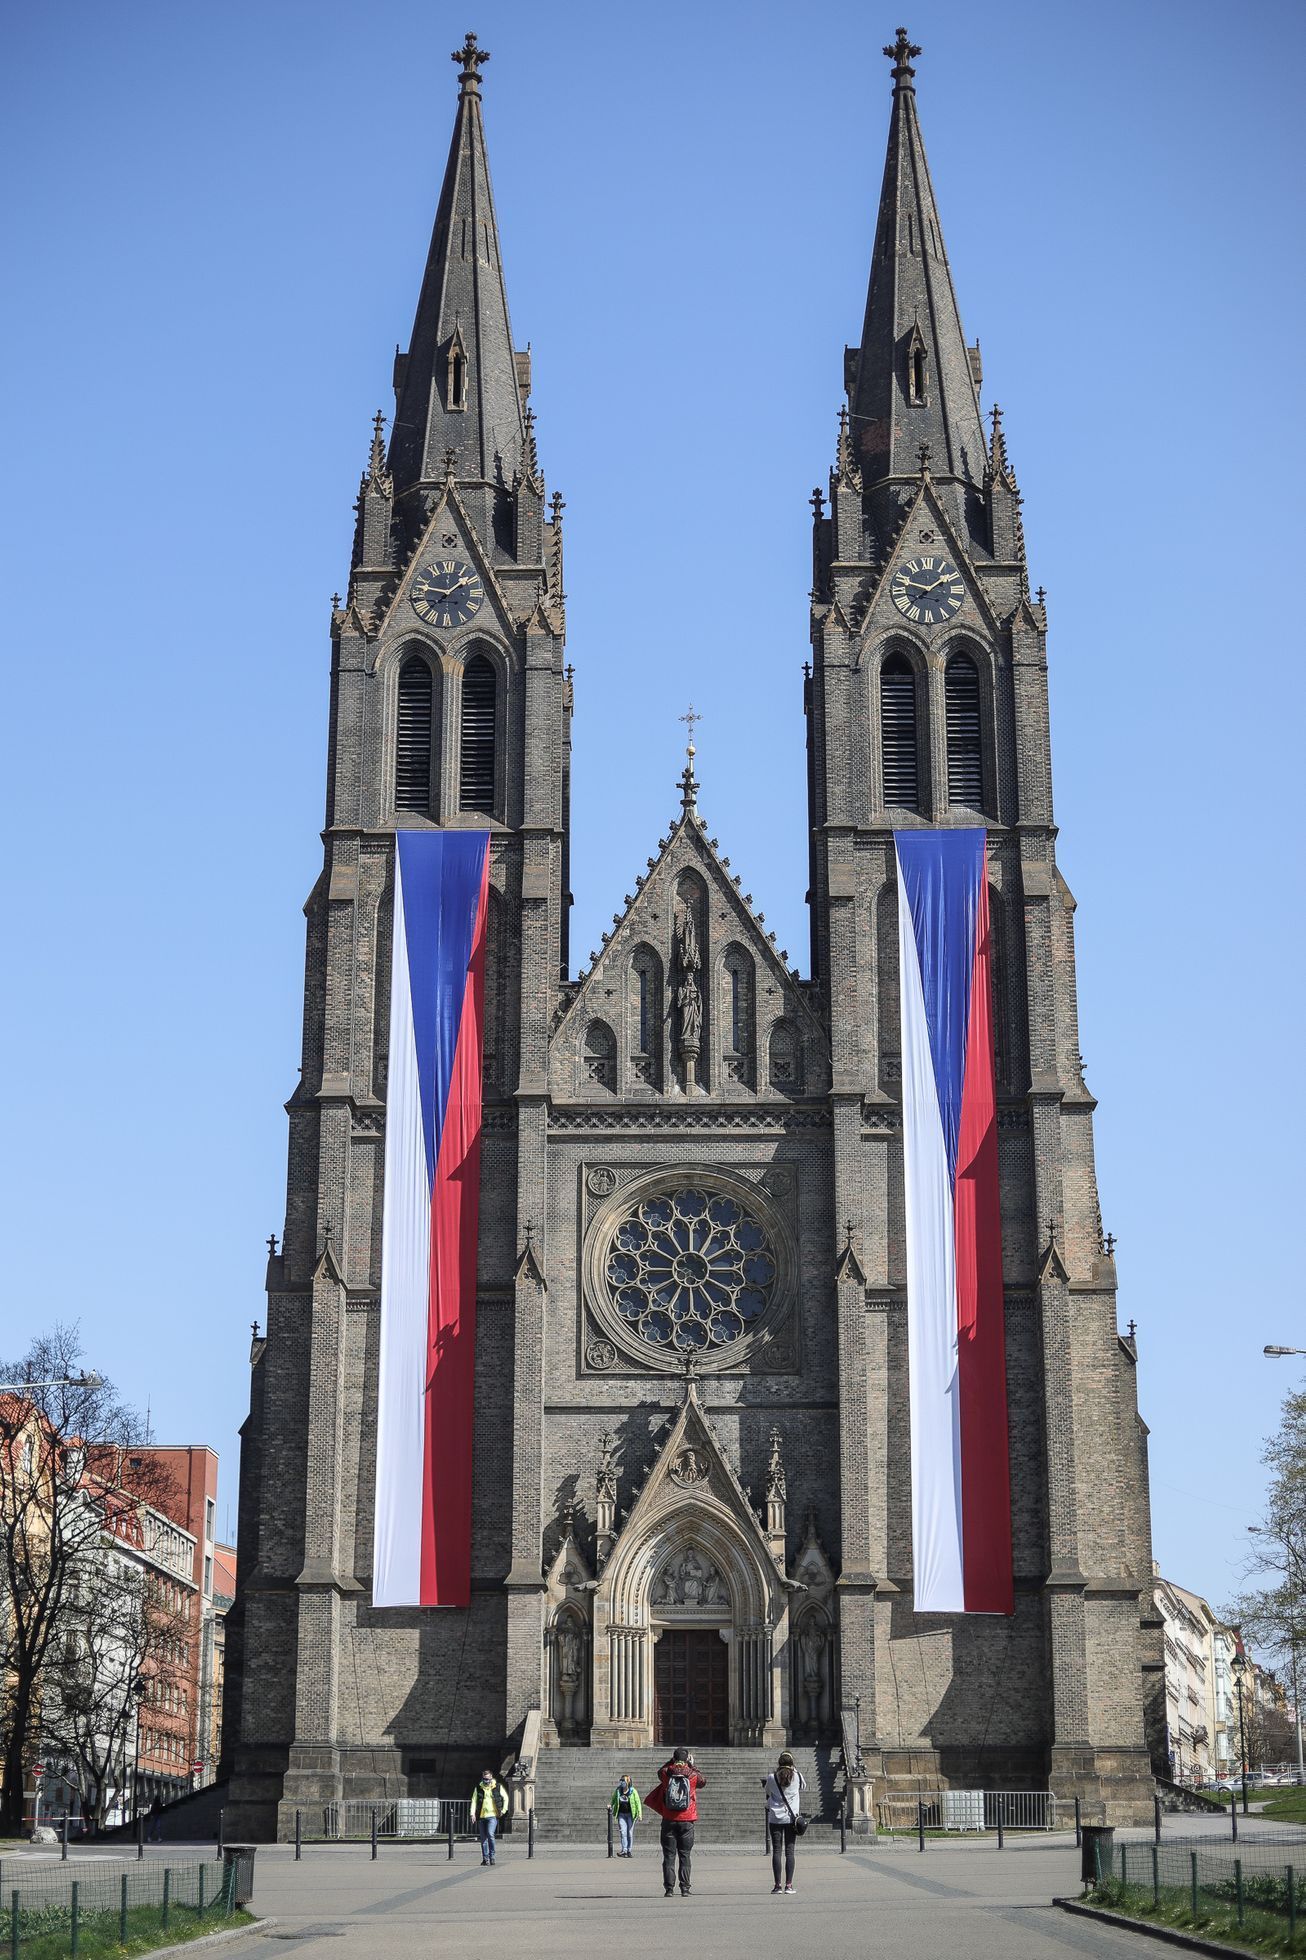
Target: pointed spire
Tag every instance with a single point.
(912, 380)
(458, 386)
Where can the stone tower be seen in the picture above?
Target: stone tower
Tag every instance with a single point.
(691, 1475)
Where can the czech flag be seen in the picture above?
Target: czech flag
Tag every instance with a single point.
(960, 1479)
(423, 1527)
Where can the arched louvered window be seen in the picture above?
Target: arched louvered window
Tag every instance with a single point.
(965, 758)
(413, 737)
(898, 733)
(476, 762)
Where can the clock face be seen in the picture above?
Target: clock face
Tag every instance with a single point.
(927, 590)
(446, 592)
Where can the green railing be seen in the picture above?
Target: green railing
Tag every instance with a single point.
(1259, 1886)
(84, 1909)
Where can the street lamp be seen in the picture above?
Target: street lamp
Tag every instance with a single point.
(1278, 1351)
(85, 1380)
(1239, 1669)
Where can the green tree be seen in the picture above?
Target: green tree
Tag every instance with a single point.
(1272, 1613)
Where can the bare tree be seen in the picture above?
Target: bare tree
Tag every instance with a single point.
(51, 1427)
(1273, 1614)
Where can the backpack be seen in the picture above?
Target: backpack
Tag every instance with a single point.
(678, 1791)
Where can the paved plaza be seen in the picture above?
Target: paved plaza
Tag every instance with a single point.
(964, 1901)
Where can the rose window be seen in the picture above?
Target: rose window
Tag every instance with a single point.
(690, 1269)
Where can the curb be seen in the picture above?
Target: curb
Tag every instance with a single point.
(210, 1939)
(1171, 1934)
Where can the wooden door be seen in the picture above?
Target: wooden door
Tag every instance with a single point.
(691, 1687)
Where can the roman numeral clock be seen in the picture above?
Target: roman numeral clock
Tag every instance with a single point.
(927, 590)
(447, 592)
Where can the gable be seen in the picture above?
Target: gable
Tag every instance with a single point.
(689, 994)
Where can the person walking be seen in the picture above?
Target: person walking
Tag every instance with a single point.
(489, 1802)
(782, 1791)
(627, 1809)
(676, 1802)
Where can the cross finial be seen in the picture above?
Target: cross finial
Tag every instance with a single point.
(690, 716)
(472, 59)
(1109, 1246)
(902, 54)
(253, 1328)
(272, 1244)
(1133, 1330)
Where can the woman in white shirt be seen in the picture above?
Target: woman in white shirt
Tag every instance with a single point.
(783, 1794)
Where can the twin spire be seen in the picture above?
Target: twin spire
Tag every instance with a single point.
(461, 388)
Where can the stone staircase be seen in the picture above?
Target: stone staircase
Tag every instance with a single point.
(573, 1788)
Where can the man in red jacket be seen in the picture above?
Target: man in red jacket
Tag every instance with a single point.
(676, 1802)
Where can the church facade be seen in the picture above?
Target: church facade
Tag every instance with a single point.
(691, 1462)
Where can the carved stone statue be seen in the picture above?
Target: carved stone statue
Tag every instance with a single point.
(690, 1580)
(812, 1643)
(690, 1005)
(568, 1653)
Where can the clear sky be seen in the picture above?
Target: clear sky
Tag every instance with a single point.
(218, 221)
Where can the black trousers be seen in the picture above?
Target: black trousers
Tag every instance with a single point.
(677, 1848)
(783, 1838)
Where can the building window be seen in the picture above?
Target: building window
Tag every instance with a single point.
(898, 734)
(600, 1057)
(456, 381)
(413, 738)
(476, 761)
(965, 759)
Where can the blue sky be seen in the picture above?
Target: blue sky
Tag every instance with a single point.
(221, 227)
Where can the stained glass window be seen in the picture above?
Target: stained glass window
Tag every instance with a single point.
(690, 1269)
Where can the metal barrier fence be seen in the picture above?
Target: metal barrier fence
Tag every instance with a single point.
(396, 1818)
(66, 1908)
(1227, 1883)
(973, 1810)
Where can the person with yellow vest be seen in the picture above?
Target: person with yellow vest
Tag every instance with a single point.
(489, 1803)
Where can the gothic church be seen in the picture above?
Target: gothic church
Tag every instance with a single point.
(691, 1474)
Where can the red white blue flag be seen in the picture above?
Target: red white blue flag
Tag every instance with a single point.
(423, 1528)
(961, 1495)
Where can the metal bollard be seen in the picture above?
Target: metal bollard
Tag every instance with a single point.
(374, 1831)
(1000, 1838)
(1079, 1826)
(448, 1823)
(843, 1827)
(1233, 1815)
(299, 1836)
(221, 1827)
(140, 1838)
(920, 1824)
(1156, 1815)
(609, 1830)
(530, 1834)
(63, 1840)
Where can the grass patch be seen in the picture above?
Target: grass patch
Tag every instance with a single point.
(1260, 1932)
(1287, 1806)
(98, 1933)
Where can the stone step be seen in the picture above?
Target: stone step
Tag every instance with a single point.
(573, 1789)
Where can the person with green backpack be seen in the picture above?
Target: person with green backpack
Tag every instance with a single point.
(626, 1808)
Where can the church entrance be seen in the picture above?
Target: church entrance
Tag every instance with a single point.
(691, 1687)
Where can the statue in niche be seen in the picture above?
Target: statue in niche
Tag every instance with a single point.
(811, 1641)
(568, 1654)
(690, 1004)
